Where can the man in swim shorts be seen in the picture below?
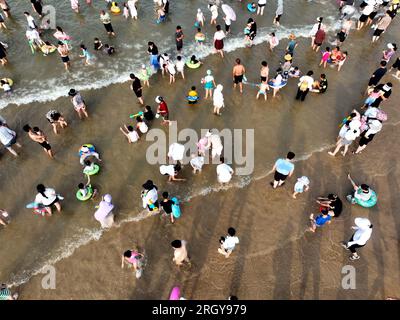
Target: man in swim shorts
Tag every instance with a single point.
(38, 136)
(264, 72)
(137, 87)
(238, 73)
(63, 51)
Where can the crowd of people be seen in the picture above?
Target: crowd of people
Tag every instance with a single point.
(364, 126)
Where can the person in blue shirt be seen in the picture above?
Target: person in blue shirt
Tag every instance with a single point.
(283, 168)
(320, 220)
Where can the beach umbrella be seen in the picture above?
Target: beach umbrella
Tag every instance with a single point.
(229, 12)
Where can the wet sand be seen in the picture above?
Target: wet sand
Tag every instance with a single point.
(275, 259)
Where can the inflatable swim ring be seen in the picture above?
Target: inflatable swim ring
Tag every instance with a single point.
(115, 9)
(250, 8)
(53, 49)
(95, 170)
(192, 98)
(176, 209)
(175, 293)
(88, 195)
(89, 146)
(9, 81)
(370, 203)
(200, 38)
(193, 65)
(281, 85)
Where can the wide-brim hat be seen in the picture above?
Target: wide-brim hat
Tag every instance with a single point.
(292, 36)
(288, 57)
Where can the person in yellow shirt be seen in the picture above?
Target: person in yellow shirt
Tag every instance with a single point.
(192, 96)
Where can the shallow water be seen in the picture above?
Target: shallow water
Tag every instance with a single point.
(31, 242)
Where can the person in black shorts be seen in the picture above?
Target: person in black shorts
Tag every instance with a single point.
(38, 136)
(179, 38)
(137, 87)
(253, 30)
(37, 6)
(396, 65)
(166, 204)
(333, 203)
(386, 91)
(377, 75)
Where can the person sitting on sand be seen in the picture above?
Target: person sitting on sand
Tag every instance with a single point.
(320, 220)
(362, 192)
(228, 243)
(130, 133)
(332, 203)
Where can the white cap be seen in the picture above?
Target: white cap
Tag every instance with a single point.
(390, 45)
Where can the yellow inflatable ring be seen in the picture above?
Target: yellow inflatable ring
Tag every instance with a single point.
(115, 9)
(9, 81)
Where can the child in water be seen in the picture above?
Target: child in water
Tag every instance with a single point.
(301, 185)
(85, 189)
(89, 167)
(294, 72)
(110, 50)
(325, 56)
(192, 96)
(6, 87)
(89, 59)
(263, 90)
(144, 75)
(97, 44)
(199, 37)
(126, 11)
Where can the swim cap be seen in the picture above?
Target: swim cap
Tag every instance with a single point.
(209, 72)
(107, 198)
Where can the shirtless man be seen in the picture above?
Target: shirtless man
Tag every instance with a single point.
(38, 136)
(6, 8)
(264, 72)
(63, 51)
(238, 73)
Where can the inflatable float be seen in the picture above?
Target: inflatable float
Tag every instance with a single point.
(251, 8)
(200, 38)
(93, 171)
(51, 50)
(89, 194)
(281, 85)
(367, 204)
(115, 9)
(193, 65)
(176, 209)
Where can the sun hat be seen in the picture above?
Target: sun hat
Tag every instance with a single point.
(159, 99)
(107, 198)
(288, 57)
(292, 36)
(362, 223)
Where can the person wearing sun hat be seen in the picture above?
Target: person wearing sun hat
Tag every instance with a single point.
(291, 45)
(360, 238)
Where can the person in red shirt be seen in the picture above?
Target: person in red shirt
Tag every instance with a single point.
(162, 110)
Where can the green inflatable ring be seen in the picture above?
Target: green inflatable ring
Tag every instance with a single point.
(87, 197)
(370, 203)
(95, 170)
(193, 65)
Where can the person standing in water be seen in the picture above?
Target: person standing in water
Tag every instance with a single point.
(209, 84)
(48, 198)
(264, 72)
(38, 136)
(64, 52)
(106, 20)
(238, 72)
(278, 13)
(179, 38)
(37, 6)
(78, 103)
(219, 36)
(153, 52)
(8, 138)
(136, 87)
(283, 168)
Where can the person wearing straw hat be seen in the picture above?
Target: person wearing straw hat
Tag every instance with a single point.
(360, 238)
(291, 45)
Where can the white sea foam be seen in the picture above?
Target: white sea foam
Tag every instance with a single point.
(85, 79)
(84, 236)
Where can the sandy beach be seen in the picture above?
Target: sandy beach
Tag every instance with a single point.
(276, 257)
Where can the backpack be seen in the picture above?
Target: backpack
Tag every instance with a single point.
(304, 85)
